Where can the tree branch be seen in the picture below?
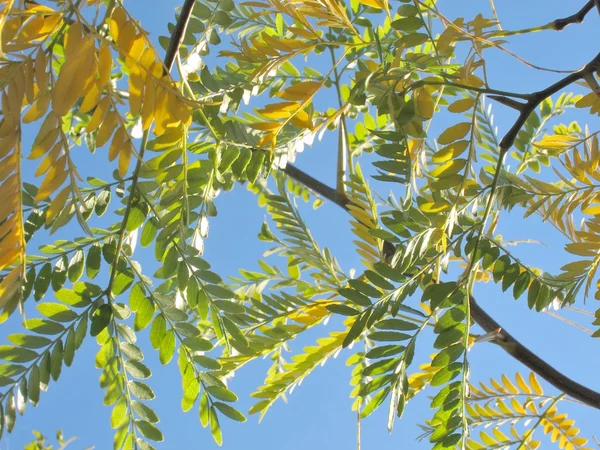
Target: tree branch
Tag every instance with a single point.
(537, 97)
(560, 24)
(502, 338)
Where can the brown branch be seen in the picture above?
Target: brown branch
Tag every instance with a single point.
(537, 97)
(521, 353)
(560, 24)
(502, 338)
(178, 34)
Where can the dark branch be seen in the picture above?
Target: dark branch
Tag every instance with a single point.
(178, 34)
(502, 338)
(538, 97)
(521, 353)
(560, 24)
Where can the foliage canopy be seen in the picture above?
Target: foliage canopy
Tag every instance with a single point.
(177, 131)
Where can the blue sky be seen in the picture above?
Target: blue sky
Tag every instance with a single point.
(318, 412)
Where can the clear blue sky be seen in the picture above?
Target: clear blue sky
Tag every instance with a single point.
(318, 413)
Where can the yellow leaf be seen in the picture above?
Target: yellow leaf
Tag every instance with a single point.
(454, 133)
(137, 47)
(99, 114)
(522, 384)
(72, 78)
(104, 65)
(450, 151)
(136, 85)
(300, 91)
(556, 142)
(265, 126)
(124, 158)
(43, 145)
(117, 22)
(302, 120)
(41, 75)
(117, 143)
(54, 178)
(451, 167)
(49, 159)
(107, 128)
(583, 248)
(91, 99)
(32, 29)
(149, 103)
(435, 207)
(592, 210)
(279, 110)
(56, 205)
(73, 40)
(30, 86)
(461, 105)
(38, 109)
(372, 3)
(126, 37)
(424, 105)
(7, 143)
(10, 283)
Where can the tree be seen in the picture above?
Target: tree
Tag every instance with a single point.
(178, 131)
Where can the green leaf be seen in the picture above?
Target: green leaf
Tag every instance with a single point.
(378, 280)
(222, 393)
(57, 312)
(69, 350)
(56, 360)
(355, 296)
(42, 282)
(167, 347)
(149, 430)
(118, 415)
(145, 412)
(215, 428)
(29, 341)
(207, 363)
(144, 313)
(375, 402)
(386, 336)
(93, 261)
(204, 410)
(191, 390)
(76, 266)
(141, 390)
(43, 326)
(100, 319)
(59, 274)
(157, 331)
(238, 338)
(198, 344)
(448, 355)
(137, 369)
(343, 310)
(149, 232)
(521, 284)
(72, 298)
(219, 291)
(34, 385)
(136, 218)
(365, 288)
(230, 411)
(16, 354)
(396, 324)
